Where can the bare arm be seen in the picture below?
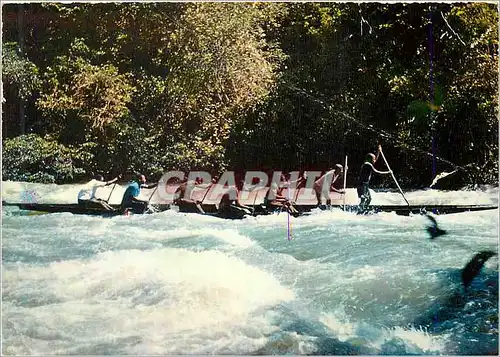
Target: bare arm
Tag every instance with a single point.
(382, 172)
(113, 180)
(301, 178)
(332, 188)
(238, 202)
(279, 196)
(152, 185)
(377, 171)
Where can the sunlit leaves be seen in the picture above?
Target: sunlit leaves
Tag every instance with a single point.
(97, 94)
(221, 53)
(19, 71)
(32, 158)
(140, 86)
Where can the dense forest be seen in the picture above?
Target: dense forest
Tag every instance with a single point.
(122, 87)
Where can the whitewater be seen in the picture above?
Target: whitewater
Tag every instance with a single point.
(177, 283)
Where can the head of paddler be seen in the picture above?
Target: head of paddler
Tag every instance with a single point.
(338, 169)
(370, 158)
(139, 178)
(99, 177)
(240, 184)
(198, 181)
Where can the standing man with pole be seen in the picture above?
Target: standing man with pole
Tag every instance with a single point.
(325, 183)
(365, 174)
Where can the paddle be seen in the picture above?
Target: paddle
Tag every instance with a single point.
(198, 205)
(150, 197)
(289, 232)
(395, 181)
(254, 199)
(107, 201)
(345, 178)
(297, 189)
(148, 207)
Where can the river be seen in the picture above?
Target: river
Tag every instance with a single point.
(176, 283)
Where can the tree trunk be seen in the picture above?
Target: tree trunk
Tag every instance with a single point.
(22, 104)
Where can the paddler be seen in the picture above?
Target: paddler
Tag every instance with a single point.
(276, 198)
(365, 174)
(227, 201)
(87, 195)
(180, 193)
(130, 201)
(322, 184)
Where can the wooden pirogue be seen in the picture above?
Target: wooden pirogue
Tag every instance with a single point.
(258, 209)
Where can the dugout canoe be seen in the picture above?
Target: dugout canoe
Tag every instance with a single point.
(405, 210)
(73, 208)
(236, 213)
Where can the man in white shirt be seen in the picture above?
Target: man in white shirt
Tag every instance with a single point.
(323, 185)
(87, 195)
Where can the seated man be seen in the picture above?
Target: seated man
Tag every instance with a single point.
(231, 200)
(237, 202)
(87, 197)
(129, 201)
(279, 199)
(180, 194)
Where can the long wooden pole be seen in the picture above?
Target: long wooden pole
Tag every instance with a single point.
(345, 178)
(392, 173)
(150, 197)
(111, 193)
(254, 199)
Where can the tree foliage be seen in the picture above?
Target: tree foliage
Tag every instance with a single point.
(99, 95)
(32, 158)
(18, 71)
(157, 86)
